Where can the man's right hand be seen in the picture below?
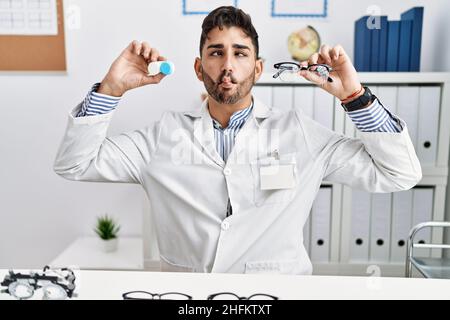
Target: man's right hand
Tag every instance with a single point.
(130, 70)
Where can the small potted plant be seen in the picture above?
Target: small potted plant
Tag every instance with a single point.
(107, 229)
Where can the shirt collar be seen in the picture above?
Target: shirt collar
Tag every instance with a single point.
(260, 111)
(237, 119)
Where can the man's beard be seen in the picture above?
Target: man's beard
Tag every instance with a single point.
(222, 96)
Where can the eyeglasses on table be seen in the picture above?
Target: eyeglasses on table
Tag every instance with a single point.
(56, 284)
(145, 295)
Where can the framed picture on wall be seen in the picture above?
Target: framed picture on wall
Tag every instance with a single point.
(204, 7)
(299, 8)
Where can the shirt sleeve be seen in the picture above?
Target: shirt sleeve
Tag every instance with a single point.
(96, 103)
(86, 153)
(379, 162)
(376, 118)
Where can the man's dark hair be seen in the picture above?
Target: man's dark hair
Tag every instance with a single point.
(229, 16)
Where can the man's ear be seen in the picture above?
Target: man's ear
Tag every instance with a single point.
(259, 69)
(198, 69)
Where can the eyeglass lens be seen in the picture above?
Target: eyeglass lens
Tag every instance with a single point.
(21, 290)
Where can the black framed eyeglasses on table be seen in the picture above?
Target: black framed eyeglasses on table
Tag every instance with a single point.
(232, 296)
(288, 71)
(145, 295)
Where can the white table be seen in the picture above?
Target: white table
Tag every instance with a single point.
(111, 285)
(85, 253)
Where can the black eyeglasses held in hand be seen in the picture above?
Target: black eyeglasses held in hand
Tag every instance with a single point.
(287, 71)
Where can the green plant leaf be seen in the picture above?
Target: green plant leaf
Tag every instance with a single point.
(106, 228)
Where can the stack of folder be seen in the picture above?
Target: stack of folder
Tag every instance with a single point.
(382, 45)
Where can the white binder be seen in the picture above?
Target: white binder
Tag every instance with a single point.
(307, 235)
(374, 89)
(283, 98)
(408, 110)
(263, 94)
(323, 108)
(430, 100)
(321, 226)
(422, 212)
(360, 228)
(401, 224)
(304, 99)
(380, 227)
(388, 97)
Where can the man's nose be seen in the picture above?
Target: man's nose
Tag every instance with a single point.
(227, 65)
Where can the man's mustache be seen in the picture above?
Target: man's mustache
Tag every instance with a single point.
(227, 74)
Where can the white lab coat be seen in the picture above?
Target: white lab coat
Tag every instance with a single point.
(188, 184)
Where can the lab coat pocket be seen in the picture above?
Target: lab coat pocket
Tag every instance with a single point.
(274, 179)
(276, 267)
(167, 266)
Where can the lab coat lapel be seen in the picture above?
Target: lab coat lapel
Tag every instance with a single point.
(204, 131)
(204, 134)
(247, 140)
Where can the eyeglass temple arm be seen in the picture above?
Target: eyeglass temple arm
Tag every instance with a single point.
(276, 75)
(277, 65)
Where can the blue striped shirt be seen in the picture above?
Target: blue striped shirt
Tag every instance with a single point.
(224, 137)
(375, 118)
(96, 103)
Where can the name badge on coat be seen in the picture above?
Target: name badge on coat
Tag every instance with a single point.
(277, 176)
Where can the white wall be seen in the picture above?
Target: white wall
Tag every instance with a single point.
(40, 213)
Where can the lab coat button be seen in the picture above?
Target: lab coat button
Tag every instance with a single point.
(225, 225)
(227, 171)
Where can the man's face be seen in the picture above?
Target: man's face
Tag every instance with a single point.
(228, 66)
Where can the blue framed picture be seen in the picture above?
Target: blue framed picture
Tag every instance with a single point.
(192, 7)
(299, 8)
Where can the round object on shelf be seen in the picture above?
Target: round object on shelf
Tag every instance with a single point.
(303, 43)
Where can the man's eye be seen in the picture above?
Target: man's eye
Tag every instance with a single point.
(220, 53)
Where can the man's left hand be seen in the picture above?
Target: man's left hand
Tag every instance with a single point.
(344, 75)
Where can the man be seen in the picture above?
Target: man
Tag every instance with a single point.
(232, 183)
